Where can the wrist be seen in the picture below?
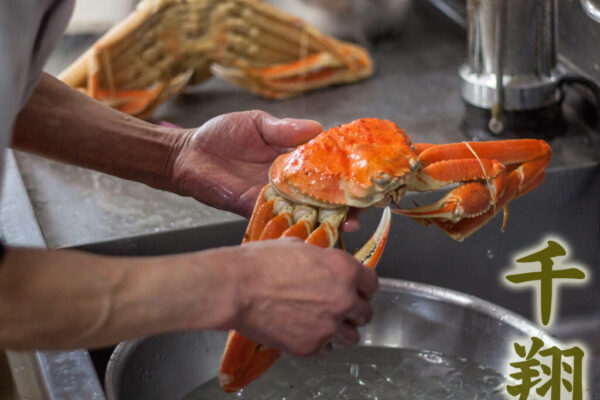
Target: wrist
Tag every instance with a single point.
(189, 168)
(179, 139)
(228, 290)
(202, 289)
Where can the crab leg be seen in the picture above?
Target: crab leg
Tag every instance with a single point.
(245, 360)
(305, 217)
(468, 200)
(275, 217)
(490, 188)
(326, 235)
(517, 185)
(246, 42)
(262, 214)
(282, 209)
(276, 55)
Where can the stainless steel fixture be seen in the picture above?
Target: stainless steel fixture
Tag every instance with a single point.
(511, 57)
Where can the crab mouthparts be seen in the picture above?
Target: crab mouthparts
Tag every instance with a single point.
(393, 196)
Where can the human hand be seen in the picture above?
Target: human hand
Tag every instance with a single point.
(225, 162)
(298, 298)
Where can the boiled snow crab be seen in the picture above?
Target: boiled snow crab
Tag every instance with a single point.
(165, 45)
(373, 162)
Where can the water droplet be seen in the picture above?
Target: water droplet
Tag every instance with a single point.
(431, 357)
(490, 254)
(354, 370)
(491, 381)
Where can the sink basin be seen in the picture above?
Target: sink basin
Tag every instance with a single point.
(565, 207)
(408, 315)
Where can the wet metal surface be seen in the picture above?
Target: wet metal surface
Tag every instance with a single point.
(18, 224)
(75, 205)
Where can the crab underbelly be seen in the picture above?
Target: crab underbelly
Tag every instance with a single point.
(333, 193)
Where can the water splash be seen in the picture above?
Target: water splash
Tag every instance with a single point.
(385, 374)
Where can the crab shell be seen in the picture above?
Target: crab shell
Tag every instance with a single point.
(356, 164)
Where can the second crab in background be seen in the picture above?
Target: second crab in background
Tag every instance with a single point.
(165, 45)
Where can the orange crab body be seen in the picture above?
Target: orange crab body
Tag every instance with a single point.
(373, 162)
(338, 167)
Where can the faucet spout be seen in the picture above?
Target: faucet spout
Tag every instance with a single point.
(511, 57)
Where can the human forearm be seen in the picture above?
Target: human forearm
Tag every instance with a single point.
(65, 299)
(61, 123)
(284, 294)
(222, 163)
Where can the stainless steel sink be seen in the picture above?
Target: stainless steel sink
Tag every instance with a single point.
(408, 315)
(566, 206)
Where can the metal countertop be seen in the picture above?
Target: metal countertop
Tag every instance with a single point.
(415, 84)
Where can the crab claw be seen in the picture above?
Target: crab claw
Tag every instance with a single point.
(371, 252)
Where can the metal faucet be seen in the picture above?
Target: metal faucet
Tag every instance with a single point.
(511, 57)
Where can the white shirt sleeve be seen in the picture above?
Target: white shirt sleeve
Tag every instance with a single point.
(29, 31)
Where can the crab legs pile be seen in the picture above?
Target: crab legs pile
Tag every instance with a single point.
(373, 162)
(165, 45)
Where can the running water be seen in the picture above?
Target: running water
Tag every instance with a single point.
(368, 373)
